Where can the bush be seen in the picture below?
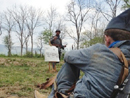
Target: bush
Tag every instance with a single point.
(62, 56)
(37, 55)
(3, 55)
(28, 54)
(15, 55)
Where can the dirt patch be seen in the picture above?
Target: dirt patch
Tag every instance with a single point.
(14, 96)
(21, 62)
(6, 92)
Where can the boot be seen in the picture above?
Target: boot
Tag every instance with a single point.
(38, 95)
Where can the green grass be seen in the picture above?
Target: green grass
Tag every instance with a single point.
(18, 76)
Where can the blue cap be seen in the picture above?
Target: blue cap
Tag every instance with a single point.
(122, 21)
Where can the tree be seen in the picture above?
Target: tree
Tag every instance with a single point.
(1, 25)
(113, 4)
(43, 38)
(19, 15)
(126, 4)
(110, 12)
(26, 39)
(8, 25)
(8, 44)
(87, 43)
(50, 18)
(96, 26)
(60, 25)
(40, 44)
(33, 21)
(77, 15)
(94, 23)
(46, 35)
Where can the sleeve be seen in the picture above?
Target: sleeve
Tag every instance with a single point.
(61, 44)
(81, 56)
(52, 39)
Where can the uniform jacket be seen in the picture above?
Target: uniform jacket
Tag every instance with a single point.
(57, 42)
(101, 69)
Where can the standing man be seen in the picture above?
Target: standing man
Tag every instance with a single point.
(56, 41)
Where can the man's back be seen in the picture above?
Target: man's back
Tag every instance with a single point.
(101, 70)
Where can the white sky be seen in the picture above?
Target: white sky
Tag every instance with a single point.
(44, 5)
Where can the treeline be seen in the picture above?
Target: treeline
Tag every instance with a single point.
(84, 21)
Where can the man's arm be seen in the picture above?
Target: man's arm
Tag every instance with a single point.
(81, 56)
(53, 38)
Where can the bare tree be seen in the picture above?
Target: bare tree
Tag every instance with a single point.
(26, 39)
(40, 44)
(55, 21)
(95, 33)
(113, 5)
(50, 18)
(1, 25)
(77, 15)
(33, 21)
(61, 26)
(95, 24)
(8, 44)
(8, 25)
(19, 15)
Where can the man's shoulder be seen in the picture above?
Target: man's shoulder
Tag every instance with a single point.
(98, 45)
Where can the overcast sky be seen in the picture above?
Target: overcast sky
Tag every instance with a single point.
(44, 5)
(60, 5)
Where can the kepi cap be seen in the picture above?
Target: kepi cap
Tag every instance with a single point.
(57, 30)
(122, 21)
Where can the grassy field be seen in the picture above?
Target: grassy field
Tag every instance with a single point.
(19, 76)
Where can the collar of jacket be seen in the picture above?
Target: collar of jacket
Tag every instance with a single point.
(124, 42)
(112, 44)
(58, 36)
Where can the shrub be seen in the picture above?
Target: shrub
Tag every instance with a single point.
(28, 54)
(3, 55)
(15, 55)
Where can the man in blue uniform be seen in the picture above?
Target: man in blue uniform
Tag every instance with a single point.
(100, 65)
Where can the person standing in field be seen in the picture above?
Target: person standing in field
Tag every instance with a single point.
(56, 41)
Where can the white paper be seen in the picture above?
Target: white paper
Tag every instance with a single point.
(51, 54)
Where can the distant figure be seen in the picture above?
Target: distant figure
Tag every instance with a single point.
(56, 41)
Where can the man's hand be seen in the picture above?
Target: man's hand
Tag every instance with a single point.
(64, 46)
(55, 37)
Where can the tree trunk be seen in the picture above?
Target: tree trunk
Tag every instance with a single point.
(32, 45)
(10, 43)
(21, 44)
(26, 47)
(40, 52)
(21, 49)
